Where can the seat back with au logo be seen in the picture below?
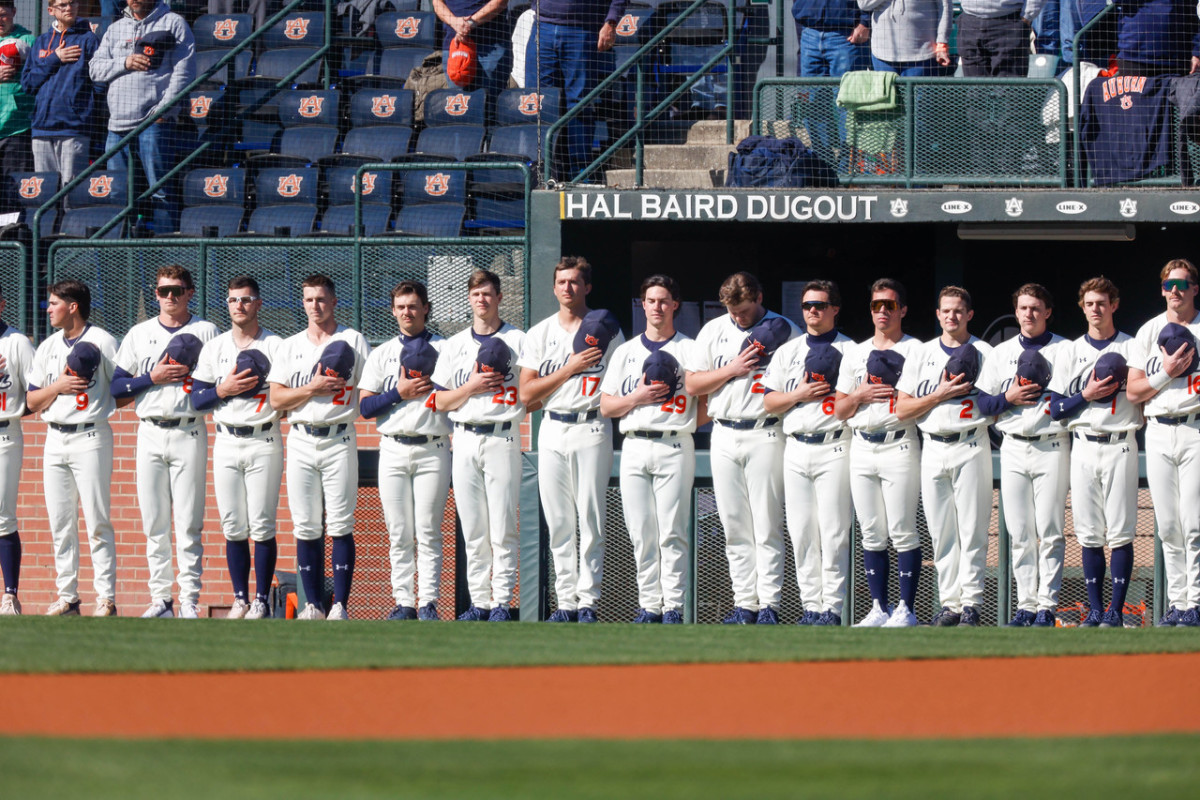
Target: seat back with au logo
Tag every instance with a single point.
(213, 199)
(298, 29)
(30, 190)
(94, 202)
(455, 107)
(221, 31)
(381, 107)
(286, 202)
(407, 29)
(434, 186)
(376, 201)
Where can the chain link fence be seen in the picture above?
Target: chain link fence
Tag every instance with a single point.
(14, 286)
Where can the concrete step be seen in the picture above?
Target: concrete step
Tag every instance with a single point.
(687, 156)
(713, 131)
(667, 178)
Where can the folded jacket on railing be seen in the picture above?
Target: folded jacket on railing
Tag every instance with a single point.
(867, 90)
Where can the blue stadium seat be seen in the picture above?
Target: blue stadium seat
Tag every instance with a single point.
(498, 215)
(30, 191)
(523, 118)
(376, 202)
(381, 123)
(288, 44)
(424, 186)
(93, 203)
(454, 123)
(310, 128)
(286, 202)
(213, 198)
(431, 219)
(418, 29)
(217, 33)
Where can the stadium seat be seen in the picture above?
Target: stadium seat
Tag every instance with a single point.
(376, 202)
(417, 29)
(432, 219)
(433, 202)
(30, 190)
(523, 118)
(289, 43)
(93, 203)
(454, 123)
(215, 34)
(286, 203)
(213, 202)
(310, 128)
(381, 124)
(498, 215)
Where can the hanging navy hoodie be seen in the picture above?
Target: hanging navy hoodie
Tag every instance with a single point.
(65, 96)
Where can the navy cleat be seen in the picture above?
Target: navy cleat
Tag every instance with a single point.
(1022, 619)
(428, 612)
(1093, 619)
(808, 618)
(645, 617)
(946, 618)
(500, 614)
(1045, 619)
(563, 615)
(587, 615)
(1190, 618)
(766, 616)
(1171, 618)
(740, 616)
(1113, 619)
(828, 619)
(402, 613)
(474, 614)
(970, 617)
(672, 617)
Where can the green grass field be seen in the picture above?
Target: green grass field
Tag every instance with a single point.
(1158, 766)
(39, 644)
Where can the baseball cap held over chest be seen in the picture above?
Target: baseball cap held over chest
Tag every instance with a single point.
(662, 367)
(418, 358)
(1033, 368)
(259, 365)
(884, 367)
(183, 351)
(461, 62)
(964, 360)
(1173, 336)
(493, 355)
(822, 364)
(598, 329)
(1111, 365)
(767, 336)
(337, 360)
(83, 360)
(155, 45)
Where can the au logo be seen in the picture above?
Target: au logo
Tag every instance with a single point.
(225, 29)
(899, 207)
(1014, 206)
(216, 185)
(628, 25)
(311, 106)
(1128, 208)
(368, 183)
(100, 186)
(296, 28)
(531, 104)
(437, 184)
(408, 27)
(383, 106)
(201, 106)
(289, 185)
(457, 104)
(31, 187)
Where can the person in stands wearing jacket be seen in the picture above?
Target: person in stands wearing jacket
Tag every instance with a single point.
(15, 104)
(910, 37)
(832, 36)
(146, 58)
(56, 74)
(1158, 37)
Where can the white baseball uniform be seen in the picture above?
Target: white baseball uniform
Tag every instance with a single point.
(885, 457)
(78, 463)
(322, 448)
(248, 451)
(17, 351)
(575, 455)
(956, 477)
(1034, 477)
(816, 479)
(172, 459)
(1173, 463)
(414, 476)
(747, 468)
(658, 466)
(486, 465)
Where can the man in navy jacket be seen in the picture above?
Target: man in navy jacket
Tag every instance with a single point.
(832, 36)
(1158, 37)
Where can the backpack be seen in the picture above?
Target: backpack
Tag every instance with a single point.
(763, 162)
(426, 77)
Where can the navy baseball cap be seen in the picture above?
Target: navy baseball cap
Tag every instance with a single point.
(259, 365)
(155, 45)
(1111, 365)
(964, 360)
(767, 336)
(662, 367)
(1173, 336)
(337, 360)
(418, 358)
(598, 329)
(184, 350)
(494, 355)
(822, 364)
(83, 360)
(1033, 368)
(884, 367)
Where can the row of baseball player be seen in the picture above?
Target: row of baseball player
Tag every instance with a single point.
(792, 423)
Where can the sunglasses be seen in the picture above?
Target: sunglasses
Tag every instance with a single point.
(244, 300)
(815, 305)
(1181, 284)
(171, 291)
(884, 305)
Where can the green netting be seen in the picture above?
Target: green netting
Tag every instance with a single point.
(14, 285)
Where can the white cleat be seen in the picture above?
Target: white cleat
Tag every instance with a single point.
(189, 611)
(337, 612)
(10, 606)
(901, 617)
(875, 618)
(158, 608)
(238, 610)
(105, 607)
(257, 610)
(311, 612)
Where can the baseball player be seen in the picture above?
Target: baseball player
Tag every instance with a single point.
(937, 390)
(476, 382)
(732, 353)
(799, 385)
(231, 381)
(1014, 387)
(70, 385)
(1162, 374)
(414, 451)
(154, 365)
(884, 454)
(1085, 393)
(644, 387)
(314, 379)
(562, 363)
(16, 359)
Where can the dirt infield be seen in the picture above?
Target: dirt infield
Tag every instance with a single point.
(873, 699)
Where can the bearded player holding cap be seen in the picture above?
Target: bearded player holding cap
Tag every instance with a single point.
(1162, 375)
(230, 380)
(414, 451)
(563, 370)
(1086, 393)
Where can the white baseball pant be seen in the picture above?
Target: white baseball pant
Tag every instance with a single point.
(12, 451)
(78, 472)
(885, 484)
(956, 487)
(171, 467)
(816, 489)
(1173, 473)
(1034, 478)
(414, 480)
(247, 472)
(747, 472)
(487, 487)
(322, 475)
(574, 465)
(656, 487)
(1104, 490)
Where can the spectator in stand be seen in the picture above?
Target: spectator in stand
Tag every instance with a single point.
(833, 36)
(993, 37)
(1158, 37)
(565, 51)
(146, 58)
(486, 24)
(56, 72)
(910, 37)
(15, 104)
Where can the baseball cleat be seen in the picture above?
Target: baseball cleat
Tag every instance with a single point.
(970, 617)
(475, 614)
(875, 618)
(10, 606)
(337, 613)
(828, 619)
(740, 616)
(672, 616)
(808, 618)
(1113, 619)
(901, 617)
(1045, 619)
(158, 608)
(587, 615)
(1022, 619)
(946, 618)
(63, 608)
(400, 613)
(564, 615)
(258, 610)
(311, 611)
(767, 615)
(1171, 618)
(189, 611)
(105, 607)
(238, 610)
(428, 612)
(500, 614)
(1093, 619)
(646, 617)
(1190, 618)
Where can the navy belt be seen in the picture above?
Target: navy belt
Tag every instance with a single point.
(245, 431)
(411, 439)
(747, 424)
(324, 430)
(1103, 438)
(883, 437)
(485, 430)
(4, 424)
(818, 438)
(80, 426)
(581, 416)
(1041, 438)
(652, 434)
(169, 422)
(1187, 419)
(961, 436)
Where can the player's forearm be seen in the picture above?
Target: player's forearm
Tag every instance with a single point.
(126, 385)
(450, 399)
(778, 402)
(1139, 388)
(616, 407)
(38, 400)
(284, 398)
(909, 407)
(371, 405)
(707, 382)
(204, 395)
(533, 389)
(1066, 406)
(845, 406)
